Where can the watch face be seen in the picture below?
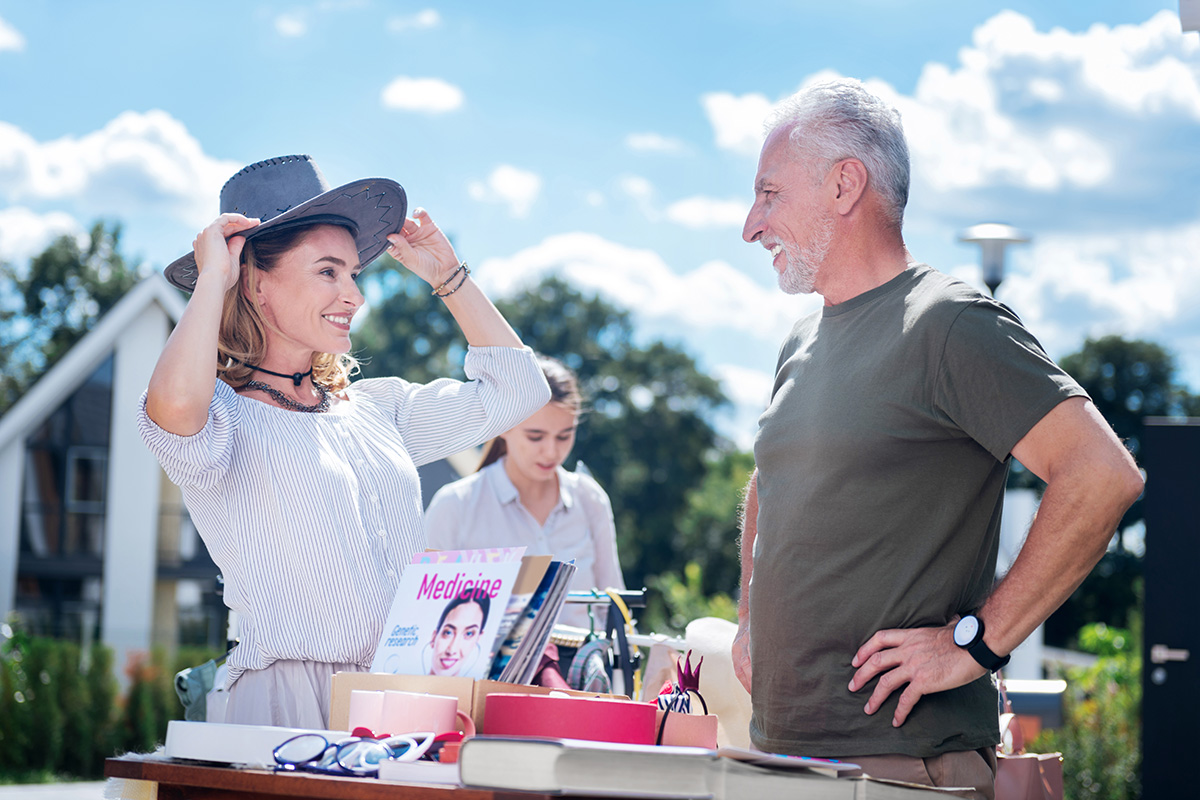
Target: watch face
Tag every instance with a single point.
(965, 630)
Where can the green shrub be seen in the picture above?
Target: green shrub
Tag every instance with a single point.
(15, 713)
(62, 714)
(42, 694)
(150, 703)
(1101, 734)
(103, 692)
(677, 602)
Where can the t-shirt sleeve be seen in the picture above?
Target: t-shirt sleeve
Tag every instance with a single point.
(995, 381)
(201, 459)
(504, 386)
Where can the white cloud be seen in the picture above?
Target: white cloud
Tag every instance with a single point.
(641, 191)
(516, 188)
(10, 38)
(636, 186)
(425, 95)
(290, 25)
(737, 121)
(138, 162)
(422, 20)
(714, 295)
(1135, 283)
(654, 143)
(24, 233)
(1050, 111)
(1038, 112)
(708, 212)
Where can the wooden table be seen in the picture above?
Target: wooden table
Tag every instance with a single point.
(178, 780)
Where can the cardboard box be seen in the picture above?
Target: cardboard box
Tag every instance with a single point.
(471, 693)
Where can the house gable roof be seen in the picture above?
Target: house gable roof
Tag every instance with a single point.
(73, 369)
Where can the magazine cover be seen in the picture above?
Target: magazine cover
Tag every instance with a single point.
(444, 618)
(488, 554)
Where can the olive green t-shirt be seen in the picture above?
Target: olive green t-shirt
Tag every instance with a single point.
(881, 467)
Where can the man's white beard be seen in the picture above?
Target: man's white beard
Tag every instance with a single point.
(799, 273)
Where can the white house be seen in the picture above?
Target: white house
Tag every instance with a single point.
(81, 496)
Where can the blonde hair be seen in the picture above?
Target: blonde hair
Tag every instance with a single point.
(242, 339)
(564, 391)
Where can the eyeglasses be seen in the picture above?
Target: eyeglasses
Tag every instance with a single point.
(312, 752)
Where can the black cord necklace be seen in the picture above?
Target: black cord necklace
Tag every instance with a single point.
(296, 377)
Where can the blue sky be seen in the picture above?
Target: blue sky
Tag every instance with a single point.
(616, 143)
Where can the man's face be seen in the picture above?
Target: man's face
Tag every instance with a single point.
(788, 217)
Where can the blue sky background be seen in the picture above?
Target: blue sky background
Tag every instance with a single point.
(616, 143)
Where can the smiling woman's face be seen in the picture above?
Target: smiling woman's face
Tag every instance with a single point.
(456, 638)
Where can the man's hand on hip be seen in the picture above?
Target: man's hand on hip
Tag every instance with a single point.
(926, 659)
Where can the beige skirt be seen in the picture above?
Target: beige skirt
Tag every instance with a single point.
(288, 694)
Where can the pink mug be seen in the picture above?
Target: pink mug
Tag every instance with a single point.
(366, 710)
(415, 712)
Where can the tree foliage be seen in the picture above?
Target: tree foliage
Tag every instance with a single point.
(1128, 380)
(646, 436)
(50, 306)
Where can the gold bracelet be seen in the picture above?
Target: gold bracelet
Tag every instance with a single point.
(466, 271)
(461, 266)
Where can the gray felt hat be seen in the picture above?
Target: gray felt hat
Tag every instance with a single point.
(288, 191)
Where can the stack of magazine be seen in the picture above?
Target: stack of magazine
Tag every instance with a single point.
(473, 613)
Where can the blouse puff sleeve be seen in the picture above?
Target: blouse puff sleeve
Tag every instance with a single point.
(200, 459)
(504, 386)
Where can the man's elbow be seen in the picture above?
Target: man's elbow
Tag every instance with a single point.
(1130, 484)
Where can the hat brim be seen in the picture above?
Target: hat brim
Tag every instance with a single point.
(374, 207)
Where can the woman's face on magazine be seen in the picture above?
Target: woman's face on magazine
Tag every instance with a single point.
(456, 639)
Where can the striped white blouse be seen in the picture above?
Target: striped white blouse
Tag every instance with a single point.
(312, 517)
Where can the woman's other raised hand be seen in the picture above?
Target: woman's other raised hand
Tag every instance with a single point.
(423, 249)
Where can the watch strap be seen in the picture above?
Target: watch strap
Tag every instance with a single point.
(984, 655)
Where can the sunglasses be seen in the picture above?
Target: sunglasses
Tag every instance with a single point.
(361, 756)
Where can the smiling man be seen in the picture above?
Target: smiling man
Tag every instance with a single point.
(869, 626)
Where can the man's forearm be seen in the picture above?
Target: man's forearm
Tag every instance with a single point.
(1089, 486)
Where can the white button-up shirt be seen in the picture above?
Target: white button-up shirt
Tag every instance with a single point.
(484, 510)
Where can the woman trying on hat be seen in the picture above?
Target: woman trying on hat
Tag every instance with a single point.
(303, 484)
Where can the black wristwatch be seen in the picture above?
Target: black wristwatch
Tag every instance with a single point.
(968, 634)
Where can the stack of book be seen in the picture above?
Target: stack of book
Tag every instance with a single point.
(603, 769)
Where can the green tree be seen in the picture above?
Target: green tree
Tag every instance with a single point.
(56, 301)
(1128, 380)
(408, 332)
(646, 437)
(709, 528)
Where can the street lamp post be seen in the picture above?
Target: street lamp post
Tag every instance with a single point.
(993, 238)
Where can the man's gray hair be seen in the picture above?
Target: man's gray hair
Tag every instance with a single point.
(841, 119)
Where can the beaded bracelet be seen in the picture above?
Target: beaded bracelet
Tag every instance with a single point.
(463, 268)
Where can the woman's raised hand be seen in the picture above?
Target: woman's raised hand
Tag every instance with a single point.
(423, 249)
(219, 249)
